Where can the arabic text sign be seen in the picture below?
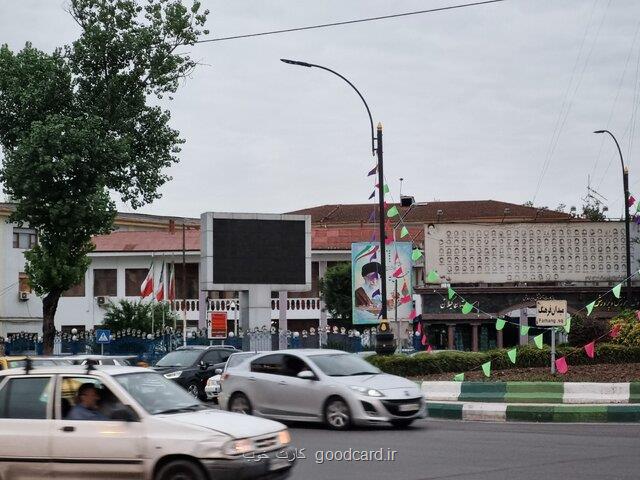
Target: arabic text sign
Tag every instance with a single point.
(551, 313)
(217, 325)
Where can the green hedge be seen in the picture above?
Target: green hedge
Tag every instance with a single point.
(528, 356)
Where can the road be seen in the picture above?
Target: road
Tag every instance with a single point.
(447, 449)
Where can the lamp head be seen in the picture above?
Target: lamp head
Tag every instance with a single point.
(599, 131)
(295, 62)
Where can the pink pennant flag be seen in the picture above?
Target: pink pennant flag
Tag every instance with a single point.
(615, 331)
(372, 171)
(561, 365)
(413, 314)
(398, 272)
(419, 328)
(424, 340)
(631, 201)
(429, 349)
(405, 299)
(590, 348)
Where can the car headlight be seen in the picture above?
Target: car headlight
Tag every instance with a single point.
(173, 374)
(238, 447)
(371, 392)
(284, 437)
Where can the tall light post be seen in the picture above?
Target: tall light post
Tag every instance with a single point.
(627, 221)
(376, 148)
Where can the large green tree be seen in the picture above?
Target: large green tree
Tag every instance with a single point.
(335, 289)
(83, 122)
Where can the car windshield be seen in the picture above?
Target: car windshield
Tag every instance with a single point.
(156, 394)
(179, 358)
(238, 358)
(343, 365)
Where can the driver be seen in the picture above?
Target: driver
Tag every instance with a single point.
(86, 407)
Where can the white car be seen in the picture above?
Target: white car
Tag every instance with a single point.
(330, 386)
(143, 427)
(212, 388)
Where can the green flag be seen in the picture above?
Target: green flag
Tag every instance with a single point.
(433, 277)
(616, 290)
(451, 293)
(538, 340)
(590, 307)
(500, 323)
(567, 324)
(524, 330)
(467, 307)
(486, 368)
(386, 188)
(416, 254)
(459, 377)
(392, 212)
(512, 354)
(404, 232)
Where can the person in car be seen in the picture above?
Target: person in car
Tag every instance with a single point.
(86, 407)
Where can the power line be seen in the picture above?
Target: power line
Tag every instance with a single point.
(349, 22)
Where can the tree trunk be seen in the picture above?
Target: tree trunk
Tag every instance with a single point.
(49, 307)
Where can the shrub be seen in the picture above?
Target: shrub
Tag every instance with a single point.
(584, 330)
(629, 329)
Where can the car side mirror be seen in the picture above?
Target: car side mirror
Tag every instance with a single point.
(203, 365)
(124, 414)
(306, 375)
(218, 371)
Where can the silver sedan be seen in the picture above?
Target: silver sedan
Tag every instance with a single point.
(330, 386)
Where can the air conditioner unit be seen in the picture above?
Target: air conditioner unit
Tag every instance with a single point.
(102, 301)
(24, 296)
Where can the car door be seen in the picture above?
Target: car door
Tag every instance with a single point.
(25, 426)
(262, 383)
(94, 449)
(301, 397)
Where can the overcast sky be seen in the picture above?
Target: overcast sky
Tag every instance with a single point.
(474, 102)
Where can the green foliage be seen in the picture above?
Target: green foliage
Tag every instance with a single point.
(137, 316)
(629, 329)
(585, 329)
(527, 356)
(77, 124)
(594, 210)
(335, 289)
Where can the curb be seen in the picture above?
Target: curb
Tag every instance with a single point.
(533, 392)
(542, 412)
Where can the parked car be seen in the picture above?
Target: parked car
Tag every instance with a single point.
(330, 386)
(214, 384)
(20, 361)
(191, 367)
(150, 429)
(122, 360)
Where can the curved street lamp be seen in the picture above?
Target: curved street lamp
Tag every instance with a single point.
(625, 187)
(376, 148)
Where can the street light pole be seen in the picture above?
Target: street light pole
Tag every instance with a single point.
(376, 148)
(627, 220)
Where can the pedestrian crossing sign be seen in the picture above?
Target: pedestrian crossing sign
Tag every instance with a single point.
(103, 336)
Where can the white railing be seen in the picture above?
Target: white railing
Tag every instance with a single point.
(297, 308)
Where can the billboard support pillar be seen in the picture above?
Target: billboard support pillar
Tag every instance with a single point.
(282, 320)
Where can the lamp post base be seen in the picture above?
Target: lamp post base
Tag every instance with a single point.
(385, 341)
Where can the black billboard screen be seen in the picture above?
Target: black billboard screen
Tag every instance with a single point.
(258, 251)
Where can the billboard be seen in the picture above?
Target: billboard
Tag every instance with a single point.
(217, 325)
(240, 251)
(366, 275)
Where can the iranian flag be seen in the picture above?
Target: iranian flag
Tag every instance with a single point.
(171, 294)
(146, 288)
(160, 292)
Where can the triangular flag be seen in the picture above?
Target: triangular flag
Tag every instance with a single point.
(615, 331)
(538, 340)
(392, 212)
(433, 277)
(373, 194)
(372, 171)
(398, 272)
(524, 330)
(451, 293)
(512, 354)
(631, 201)
(429, 349)
(590, 348)
(416, 254)
(386, 188)
(567, 324)
(404, 232)
(590, 307)
(561, 365)
(405, 299)
(616, 290)
(372, 217)
(424, 340)
(413, 314)
(459, 377)
(467, 307)
(500, 323)
(486, 368)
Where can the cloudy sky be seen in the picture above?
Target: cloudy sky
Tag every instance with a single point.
(487, 102)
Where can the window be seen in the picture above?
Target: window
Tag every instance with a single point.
(75, 291)
(106, 402)
(133, 278)
(212, 357)
(105, 282)
(24, 238)
(23, 283)
(293, 365)
(268, 364)
(25, 398)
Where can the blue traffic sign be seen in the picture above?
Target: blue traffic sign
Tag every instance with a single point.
(103, 336)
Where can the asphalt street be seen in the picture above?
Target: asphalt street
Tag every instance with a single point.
(443, 449)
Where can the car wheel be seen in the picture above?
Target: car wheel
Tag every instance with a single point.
(402, 423)
(194, 389)
(337, 415)
(180, 470)
(239, 403)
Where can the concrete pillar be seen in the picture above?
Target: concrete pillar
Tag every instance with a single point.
(524, 321)
(474, 337)
(322, 323)
(282, 320)
(202, 308)
(499, 339)
(450, 334)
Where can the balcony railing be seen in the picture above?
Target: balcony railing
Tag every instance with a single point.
(297, 308)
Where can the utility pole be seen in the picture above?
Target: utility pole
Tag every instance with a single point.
(184, 284)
